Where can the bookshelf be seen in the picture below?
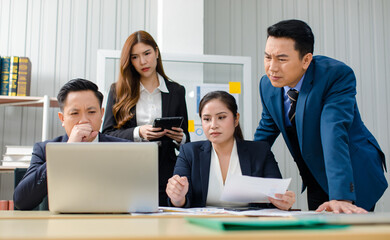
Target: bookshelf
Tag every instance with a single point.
(45, 102)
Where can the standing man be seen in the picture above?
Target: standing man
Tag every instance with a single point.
(311, 101)
(81, 115)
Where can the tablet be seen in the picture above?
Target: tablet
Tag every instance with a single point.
(168, 122)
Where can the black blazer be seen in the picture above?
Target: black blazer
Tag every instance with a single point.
(32, 189)
(173, 105)
(256, 159)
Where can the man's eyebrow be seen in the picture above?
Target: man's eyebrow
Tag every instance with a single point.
(73, 109)
(278, 56)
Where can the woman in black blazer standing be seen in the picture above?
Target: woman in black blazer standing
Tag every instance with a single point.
(203, 167)
(142, 93)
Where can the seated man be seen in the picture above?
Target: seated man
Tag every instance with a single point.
(81, 115)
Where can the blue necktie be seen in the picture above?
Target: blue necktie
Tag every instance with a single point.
(293, 96)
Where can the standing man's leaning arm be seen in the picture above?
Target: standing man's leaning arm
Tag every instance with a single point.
(267, 129)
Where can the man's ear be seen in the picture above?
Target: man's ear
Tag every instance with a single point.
(307, 60)
(102, 111)
(61, 117)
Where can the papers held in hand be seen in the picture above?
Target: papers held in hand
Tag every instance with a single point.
(248, 189)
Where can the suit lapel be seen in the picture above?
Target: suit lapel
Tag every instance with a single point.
(65, 138)
(165, 100)
(204, 163)
(307, 85)
(276, 101)
(244, 158)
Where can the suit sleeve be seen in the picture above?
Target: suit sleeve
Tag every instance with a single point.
(183, 111)
(183, 169)
(32, 189)
(267, 129)
(336, 118)
(271, 168)
(110, 122)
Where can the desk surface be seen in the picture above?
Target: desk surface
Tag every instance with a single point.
(44, 225)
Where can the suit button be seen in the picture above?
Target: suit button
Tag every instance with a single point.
(351, 188)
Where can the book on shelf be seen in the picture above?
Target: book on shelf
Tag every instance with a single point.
(24, 77)
(4, 74)
(16, 160)
(18, 150)
(7, 205)
(17, 156)
(11, 205)
(15, 163)
(4, 204)
(13, 76)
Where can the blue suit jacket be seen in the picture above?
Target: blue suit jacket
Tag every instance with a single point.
(32, 189)
(340, 152)
(256, 159)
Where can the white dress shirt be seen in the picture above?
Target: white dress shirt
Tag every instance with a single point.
(216, 181)
(149, 107)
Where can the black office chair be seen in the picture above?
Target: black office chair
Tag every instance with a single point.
(18, 175)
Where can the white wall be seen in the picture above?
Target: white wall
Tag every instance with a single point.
(180, 26)
(353, 31)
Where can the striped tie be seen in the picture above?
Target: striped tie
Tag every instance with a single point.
(293, 96)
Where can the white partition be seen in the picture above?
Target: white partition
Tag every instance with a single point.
(196, 63)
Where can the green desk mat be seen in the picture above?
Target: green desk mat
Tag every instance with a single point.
(227, 224)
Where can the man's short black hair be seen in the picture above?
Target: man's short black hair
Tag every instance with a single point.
(76, 85)
(296, 30)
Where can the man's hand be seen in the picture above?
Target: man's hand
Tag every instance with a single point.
(284, 201)
(148, 132)
(82, 133)
(177, 189)
(340, 206)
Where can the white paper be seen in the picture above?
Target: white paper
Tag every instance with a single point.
(248, 189)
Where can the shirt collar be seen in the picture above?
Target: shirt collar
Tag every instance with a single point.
(162, 86)
(297, 87)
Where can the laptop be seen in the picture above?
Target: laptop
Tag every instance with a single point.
(103, 177)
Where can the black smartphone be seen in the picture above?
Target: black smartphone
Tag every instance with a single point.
(168, 122)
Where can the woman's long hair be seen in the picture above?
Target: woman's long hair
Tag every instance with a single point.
(230, 103)
(128, 84)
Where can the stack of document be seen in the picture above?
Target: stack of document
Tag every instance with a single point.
(17, 156)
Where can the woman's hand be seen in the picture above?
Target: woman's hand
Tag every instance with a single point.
(177, 189)
(284, 201)
(176, 134)
(148, 132)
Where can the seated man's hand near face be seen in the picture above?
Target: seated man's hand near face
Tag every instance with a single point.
(82, 132)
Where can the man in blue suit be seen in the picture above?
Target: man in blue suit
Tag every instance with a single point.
(311, 101)
(81, 115)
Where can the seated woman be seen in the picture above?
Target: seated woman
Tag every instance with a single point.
(203, 167)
